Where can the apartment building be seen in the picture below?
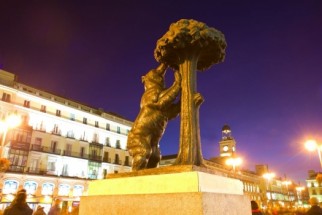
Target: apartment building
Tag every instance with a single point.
(59, 145)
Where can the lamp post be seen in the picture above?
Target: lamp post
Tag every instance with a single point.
(299, 193)
(234, 162)
(312, 145)
(9, 122)
(269, 176)
(286, 183)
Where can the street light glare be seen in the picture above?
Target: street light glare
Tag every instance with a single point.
(234, 161)
(269, 176)
(13, 121)
(311, 145)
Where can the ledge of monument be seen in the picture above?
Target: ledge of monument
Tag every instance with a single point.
(167, 170)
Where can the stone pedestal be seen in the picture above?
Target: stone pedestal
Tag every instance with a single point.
(170, 190)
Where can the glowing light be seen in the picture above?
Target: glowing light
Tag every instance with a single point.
(234, 161)
(311, 145)
(286, 183)
(299, 189)
(13, 120)
(269, 175)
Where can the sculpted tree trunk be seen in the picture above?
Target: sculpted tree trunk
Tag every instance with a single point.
(189, 46)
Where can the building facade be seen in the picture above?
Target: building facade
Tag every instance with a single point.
(59, 145)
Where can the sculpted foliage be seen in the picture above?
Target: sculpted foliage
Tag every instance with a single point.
(187, 36)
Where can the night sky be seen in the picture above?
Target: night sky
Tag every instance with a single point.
(268, 89)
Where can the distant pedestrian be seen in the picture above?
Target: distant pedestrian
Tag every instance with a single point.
(255, 208)
(19, 206)
(55, 209)
(39, 211)
(315, 208)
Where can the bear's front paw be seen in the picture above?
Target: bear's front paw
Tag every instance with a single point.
(198, 99)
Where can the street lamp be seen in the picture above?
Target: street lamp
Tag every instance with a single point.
(268, 176)
(299, 193)
(312, 145)
(11, 121)
(234, 161)
(286, 183)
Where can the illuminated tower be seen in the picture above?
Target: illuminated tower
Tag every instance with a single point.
(227, 144)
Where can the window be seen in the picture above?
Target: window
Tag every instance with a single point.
(26, 103)
(96, 124)
(56, 130)
(78, 190)
(82, 151)
(43, 108)
(93, 169)
(118, 144)
(70, 134)
(107, 141)
(68, 149)
(38, 141)
(30, 187)
(117, 159)
(72, 117)
(58, 113)
(95, 138)
(6, 97)
(47, 189)
(85, 120)
(106, 158)
(63, 190)
(118, 129)
(108, 126)
(10, 186)
(53, 145)
(127, 161)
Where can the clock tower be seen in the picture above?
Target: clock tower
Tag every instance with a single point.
(227, 144)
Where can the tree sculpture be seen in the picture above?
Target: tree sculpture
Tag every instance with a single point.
(189, 46)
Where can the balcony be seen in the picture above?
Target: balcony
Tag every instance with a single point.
(56, 132)
(14, 168)
(95, 158)
(37, 171)
(118, 162)
(45, 149)
(75, 154)
(107, 160)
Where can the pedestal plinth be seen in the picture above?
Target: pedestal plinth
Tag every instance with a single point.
(166, 192)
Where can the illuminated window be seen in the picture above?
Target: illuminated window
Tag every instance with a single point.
(118, 129)
(47, 189)
(78, 190)
(26, 103)
(63, 190)
(96, 124)
(30, 187)
(108, 126)
(6, 97)
(43, 108)
(107, 141)
(72, 117)
(85, 120)
(58, 113)
(10, 186)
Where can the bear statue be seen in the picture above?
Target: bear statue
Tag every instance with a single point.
(158, 105)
